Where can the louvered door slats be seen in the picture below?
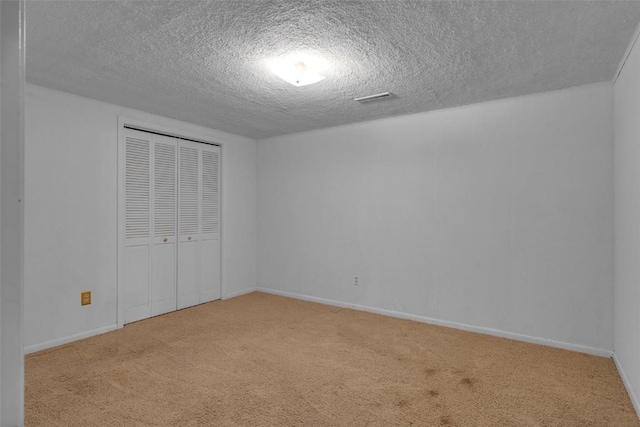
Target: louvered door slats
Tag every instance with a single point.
(137, 154)
(165, 190)
(188, 192)
(210, 192)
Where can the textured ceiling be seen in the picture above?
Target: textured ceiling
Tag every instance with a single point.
(205, 62)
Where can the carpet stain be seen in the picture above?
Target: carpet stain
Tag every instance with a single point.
(402, 403)
(445, 420)
(433, 393)
(469, 382)
(429, 371)
(82, 388)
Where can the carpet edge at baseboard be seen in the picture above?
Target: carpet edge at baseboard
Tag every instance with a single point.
(66, 340)
(239, 293)
(627, 384)
(449, 324)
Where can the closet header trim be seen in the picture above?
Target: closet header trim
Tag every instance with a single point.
(169, 135)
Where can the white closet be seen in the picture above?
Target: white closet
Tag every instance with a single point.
(171, 226)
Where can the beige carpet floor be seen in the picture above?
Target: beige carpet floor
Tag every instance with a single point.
(264, 360)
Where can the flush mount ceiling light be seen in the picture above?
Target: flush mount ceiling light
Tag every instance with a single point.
(298, 70)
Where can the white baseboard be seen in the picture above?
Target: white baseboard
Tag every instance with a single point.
(627, 385)
(478, 329)
(239, 293)
(470, 328)
(67, 340)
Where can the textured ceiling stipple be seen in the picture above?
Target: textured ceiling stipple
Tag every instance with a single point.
(205, 62)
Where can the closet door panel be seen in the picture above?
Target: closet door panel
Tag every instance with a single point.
(209, 270)
(188, 274)
(136, 276)
(137, 225)
(188, 223)
(164, 280)
(210, 224)
(164, 223)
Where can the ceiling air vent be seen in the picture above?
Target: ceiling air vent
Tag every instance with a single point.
(373, 97)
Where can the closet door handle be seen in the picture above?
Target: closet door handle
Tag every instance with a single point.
(189, 238)
(165, 240)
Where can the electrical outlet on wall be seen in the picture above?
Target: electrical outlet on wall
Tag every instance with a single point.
(356, 280)
(85, 298)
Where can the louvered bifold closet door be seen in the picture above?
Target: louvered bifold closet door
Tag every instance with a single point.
(137, 227)
(150, 224)
(163, 290)
(188, 223)
(210, 223)
(198, 223)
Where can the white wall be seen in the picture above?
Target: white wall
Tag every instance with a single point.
(627, 224)
(497, 215)
(71, 213)
(11, 205)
